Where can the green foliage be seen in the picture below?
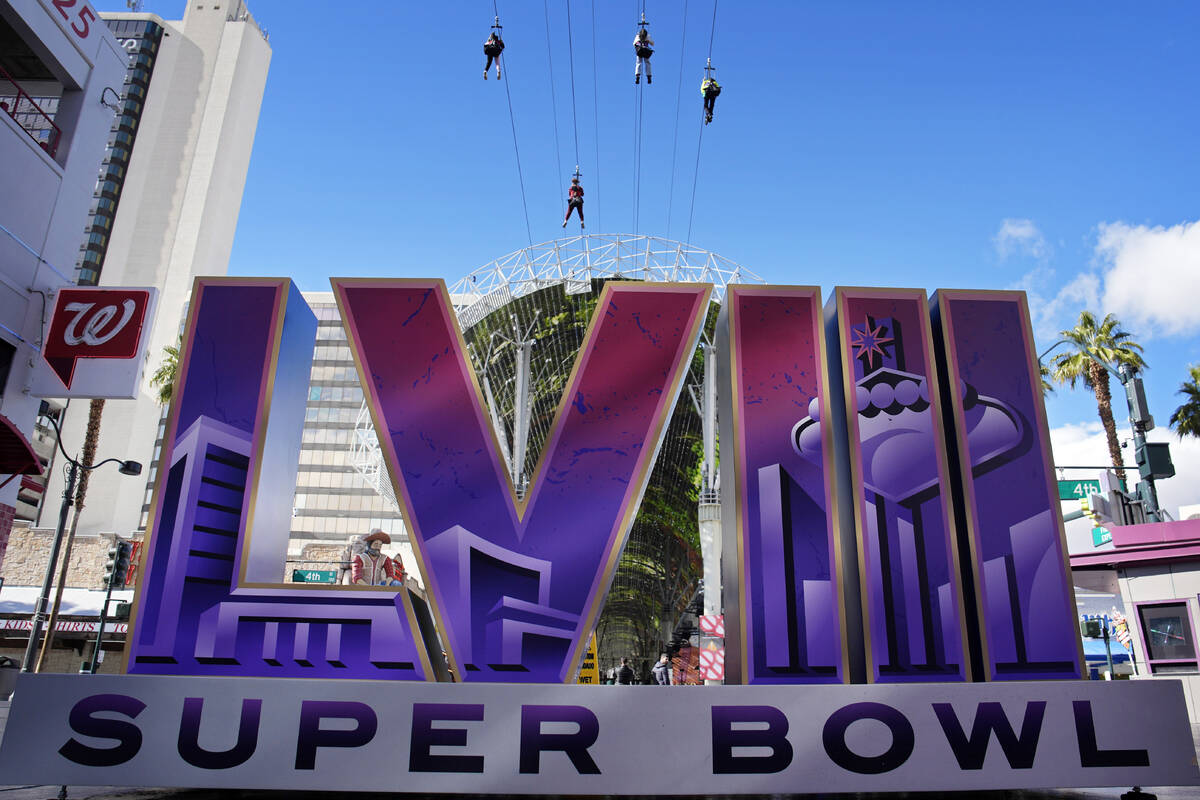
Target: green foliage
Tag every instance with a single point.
(163, 378)
(660, 567)
(1095, 344)
(1185, 421)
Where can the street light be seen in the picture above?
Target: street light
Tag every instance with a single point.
(39, 611)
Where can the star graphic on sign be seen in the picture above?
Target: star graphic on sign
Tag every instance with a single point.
(869, 339)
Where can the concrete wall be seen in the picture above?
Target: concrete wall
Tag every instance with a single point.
(178, 213)
(29, 552)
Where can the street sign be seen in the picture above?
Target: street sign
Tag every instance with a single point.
(314, 575)
(1076, 490)
(1101, 536)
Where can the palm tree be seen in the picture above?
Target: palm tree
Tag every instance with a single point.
(1186, 419)
(1044, 374)
(1097, 347)
(163, 378)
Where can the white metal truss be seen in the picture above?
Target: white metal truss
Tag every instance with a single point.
(367, 458)
(574, 261)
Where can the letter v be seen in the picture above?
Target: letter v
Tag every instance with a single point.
(516, 585)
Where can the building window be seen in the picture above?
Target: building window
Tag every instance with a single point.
(1167, 637)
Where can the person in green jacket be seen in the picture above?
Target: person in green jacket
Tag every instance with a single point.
(710, 89)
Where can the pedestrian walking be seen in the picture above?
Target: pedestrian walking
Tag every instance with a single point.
(625, 676)
(662, 671)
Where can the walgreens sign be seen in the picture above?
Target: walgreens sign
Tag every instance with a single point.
(95, 344)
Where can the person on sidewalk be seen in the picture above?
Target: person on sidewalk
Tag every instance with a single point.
(574, 201)
(625, 675)
(492, 48)
(643, 48)
(662, 671)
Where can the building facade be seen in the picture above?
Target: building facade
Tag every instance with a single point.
(166, 204)
(60, 73)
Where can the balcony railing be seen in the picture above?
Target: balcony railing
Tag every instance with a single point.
(15, 102)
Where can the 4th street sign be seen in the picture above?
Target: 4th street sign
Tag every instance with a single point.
(1077, 490)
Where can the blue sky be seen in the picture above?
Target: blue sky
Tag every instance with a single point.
(1050, 147)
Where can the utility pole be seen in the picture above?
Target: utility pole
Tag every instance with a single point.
(1153, 458)
(709, 510)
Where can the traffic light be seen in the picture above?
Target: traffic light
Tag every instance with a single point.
(118, 564)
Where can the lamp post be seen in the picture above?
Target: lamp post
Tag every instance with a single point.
(73, 474)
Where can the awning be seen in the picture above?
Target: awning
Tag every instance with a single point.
(16, 454)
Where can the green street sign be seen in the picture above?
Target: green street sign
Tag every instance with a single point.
(1077, 490)
(314, 575)
(1101, 536)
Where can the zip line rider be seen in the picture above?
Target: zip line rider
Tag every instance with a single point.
(643, 48)
(492, 48)
(574, 201)
(710, 89)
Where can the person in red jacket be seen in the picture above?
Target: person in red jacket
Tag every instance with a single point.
(574, 201)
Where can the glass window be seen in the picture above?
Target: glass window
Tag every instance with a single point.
(1167, 632)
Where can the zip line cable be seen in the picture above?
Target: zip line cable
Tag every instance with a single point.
(641, 113)
(571, 56)
(553, 102)
(520, 176)
(595, 119)
(675, 136)
(700, 139)
(512, 119)
(695, 180)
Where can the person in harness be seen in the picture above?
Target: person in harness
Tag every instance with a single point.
(710, 89)
(574, 201)
(643, 48)
(492, 48)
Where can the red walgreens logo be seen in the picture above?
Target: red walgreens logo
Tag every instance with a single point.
(94, 323)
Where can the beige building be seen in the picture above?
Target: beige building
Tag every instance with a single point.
(181, 181)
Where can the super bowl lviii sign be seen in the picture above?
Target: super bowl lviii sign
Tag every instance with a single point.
(898, 606)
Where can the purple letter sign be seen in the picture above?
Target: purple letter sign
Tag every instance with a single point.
(785, 607)
(517, 585)
(913, 615)
(1018, 549)
(210, 601)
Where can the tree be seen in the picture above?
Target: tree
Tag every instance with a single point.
(1098, 345)
(1044, 373)
(163, 378)
(1186, 419)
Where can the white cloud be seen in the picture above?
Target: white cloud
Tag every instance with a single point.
(1020, 237)
(1152, 275)
(1084, 444)
(1051, 315)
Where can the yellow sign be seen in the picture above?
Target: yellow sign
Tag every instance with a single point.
(590, 671)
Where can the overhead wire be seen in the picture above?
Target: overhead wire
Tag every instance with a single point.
(553, 102)
(637, 131)
(595, 119)
(700, 139)
(516, 150)
(571, 54)
(675, 136)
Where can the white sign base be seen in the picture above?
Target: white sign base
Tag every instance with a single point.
(265, 733)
